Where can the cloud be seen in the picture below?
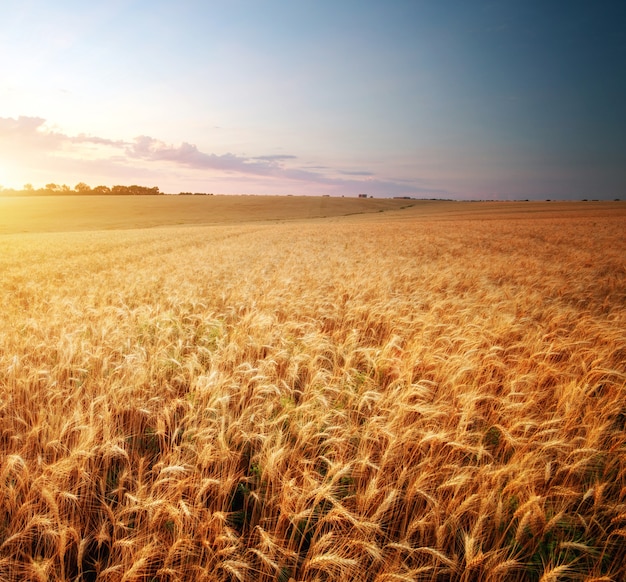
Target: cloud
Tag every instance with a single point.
(82, 138)
(23, 125)
(276, 157)
(27, 131)
(355, 173)
(150, 149)
(32, 131)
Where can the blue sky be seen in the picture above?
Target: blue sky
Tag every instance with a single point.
(427, 98)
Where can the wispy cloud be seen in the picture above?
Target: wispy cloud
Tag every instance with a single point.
(23, 125)
(355, 173)
(33, 132)
(275, 158)
(151, 149)
(27, 131)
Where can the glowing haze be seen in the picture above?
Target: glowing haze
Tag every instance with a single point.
(426, 98)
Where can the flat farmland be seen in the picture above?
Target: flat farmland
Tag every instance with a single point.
(77, 213)
(80, 213)
(318, 389)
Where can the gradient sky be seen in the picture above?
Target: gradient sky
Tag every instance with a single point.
(426, 98)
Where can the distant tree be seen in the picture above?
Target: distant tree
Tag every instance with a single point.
(82, 188)
(136, 190)
(117, 189)
(28, 187)
(52, 187)
(65, 189)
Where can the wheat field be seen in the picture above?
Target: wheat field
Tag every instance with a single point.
(33, 214)
(385, 398)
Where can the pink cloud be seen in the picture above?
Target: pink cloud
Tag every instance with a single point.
(33, 132)
(148, 148)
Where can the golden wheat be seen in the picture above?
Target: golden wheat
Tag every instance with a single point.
(369, 398)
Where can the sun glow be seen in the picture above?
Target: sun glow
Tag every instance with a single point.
(6, 179)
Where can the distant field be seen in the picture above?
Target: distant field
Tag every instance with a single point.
(435, 393)
(75, 213)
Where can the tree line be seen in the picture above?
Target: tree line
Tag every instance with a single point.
(81, 189)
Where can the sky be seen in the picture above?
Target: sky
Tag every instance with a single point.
(462, 99)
